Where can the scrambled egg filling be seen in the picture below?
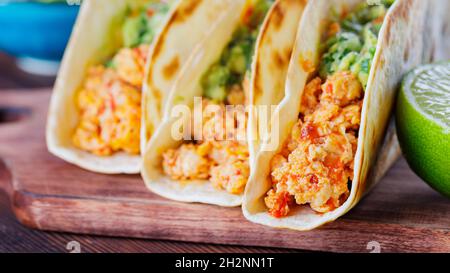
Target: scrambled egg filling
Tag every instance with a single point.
(221, 156)
(109, 101)
(316, 162)
(315, 166)
(109, 104)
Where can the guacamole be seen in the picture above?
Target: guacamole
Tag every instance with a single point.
(140, 26)
(236, 59)
(352, 43)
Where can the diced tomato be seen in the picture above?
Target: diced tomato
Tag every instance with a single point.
(102, 108)
(379, 20)
(334, 29)
(313, 179)
(276, 213)
(329, 88)
(281, 209)
(309, 131)
(150, 12)
(331, 205)
(248, 15)
(333, 162)
(335, 168)
(112, 102)
(344, 13)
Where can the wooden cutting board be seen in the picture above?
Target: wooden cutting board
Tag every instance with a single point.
(402, 214)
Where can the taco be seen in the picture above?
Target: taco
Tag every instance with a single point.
(118, 49)
(347, 62)
(210, 163)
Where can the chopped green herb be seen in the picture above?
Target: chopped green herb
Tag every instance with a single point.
(354, 46)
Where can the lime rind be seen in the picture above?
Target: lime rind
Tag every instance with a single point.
(422, 124)
(428, 90)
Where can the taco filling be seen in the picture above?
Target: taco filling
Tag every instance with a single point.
(109, 101)
(315, 165)
(220, 153)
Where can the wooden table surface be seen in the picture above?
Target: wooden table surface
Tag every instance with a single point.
(16, 238)
(411, 224)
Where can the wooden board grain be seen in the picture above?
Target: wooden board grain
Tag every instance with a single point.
(402, 213)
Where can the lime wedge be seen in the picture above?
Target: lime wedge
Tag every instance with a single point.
(423, 123)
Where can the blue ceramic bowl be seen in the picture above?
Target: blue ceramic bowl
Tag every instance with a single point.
(36, 30)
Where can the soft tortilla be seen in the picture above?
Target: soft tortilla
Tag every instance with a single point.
(272, 58)
(399, 49)
(188, 86)
(95, 38)
(188, 26)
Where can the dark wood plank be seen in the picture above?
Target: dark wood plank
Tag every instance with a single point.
(16, 238)
(402, 213)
